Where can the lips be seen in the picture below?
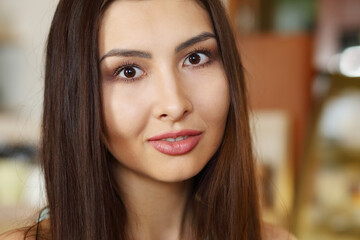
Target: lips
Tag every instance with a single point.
(176, 143)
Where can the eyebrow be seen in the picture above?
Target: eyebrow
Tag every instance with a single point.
(125, 53)
(199, 38)
(134, 53)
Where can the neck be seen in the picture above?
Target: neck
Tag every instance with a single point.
(155, 210)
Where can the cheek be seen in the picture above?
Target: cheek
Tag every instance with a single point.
(212, 98)
(125, 113)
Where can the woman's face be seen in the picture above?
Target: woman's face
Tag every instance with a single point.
(165, 93)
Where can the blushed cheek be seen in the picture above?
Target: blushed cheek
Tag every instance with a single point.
(213, 101)
(218, 109)
(125, 117)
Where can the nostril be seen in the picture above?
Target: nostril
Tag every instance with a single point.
(172, 111)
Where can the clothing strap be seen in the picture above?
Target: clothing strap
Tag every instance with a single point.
(44, 214)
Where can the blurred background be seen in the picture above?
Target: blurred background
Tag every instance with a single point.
(23, 29)
(302, 64)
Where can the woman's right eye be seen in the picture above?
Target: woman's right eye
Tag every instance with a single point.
(129, 72)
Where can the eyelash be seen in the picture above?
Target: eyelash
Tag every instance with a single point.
(204, 51)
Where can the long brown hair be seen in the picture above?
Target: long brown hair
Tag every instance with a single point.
(82, 192)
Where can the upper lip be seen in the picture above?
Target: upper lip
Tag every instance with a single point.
(185, 132)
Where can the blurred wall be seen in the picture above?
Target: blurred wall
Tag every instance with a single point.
(23, 31)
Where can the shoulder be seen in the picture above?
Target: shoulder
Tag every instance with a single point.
(28, 233)
(15, 235)
(271, 232)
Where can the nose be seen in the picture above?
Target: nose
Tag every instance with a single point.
(172, 99)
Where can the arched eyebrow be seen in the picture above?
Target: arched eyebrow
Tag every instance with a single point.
(135, 53)
(199, 38)
(125, 53)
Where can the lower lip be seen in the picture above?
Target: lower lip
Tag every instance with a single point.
(176, 148)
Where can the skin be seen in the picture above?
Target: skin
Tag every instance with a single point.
(168, 93)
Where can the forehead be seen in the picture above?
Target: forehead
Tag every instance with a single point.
(151, 23)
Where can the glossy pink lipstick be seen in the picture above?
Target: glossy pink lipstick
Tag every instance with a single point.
(176, 143)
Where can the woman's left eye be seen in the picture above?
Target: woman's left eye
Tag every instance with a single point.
(196, 59)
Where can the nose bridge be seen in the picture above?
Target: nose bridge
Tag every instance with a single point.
(172, 102)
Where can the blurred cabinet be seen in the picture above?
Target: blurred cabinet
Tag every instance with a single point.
(249, 16)
(279, 75)
(271, 132)
(328, 204)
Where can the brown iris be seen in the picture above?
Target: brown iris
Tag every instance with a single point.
(129, 72)
(194, 58)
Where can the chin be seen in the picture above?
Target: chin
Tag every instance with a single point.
(179, 174)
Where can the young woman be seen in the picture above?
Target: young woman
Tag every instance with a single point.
(145, 126)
